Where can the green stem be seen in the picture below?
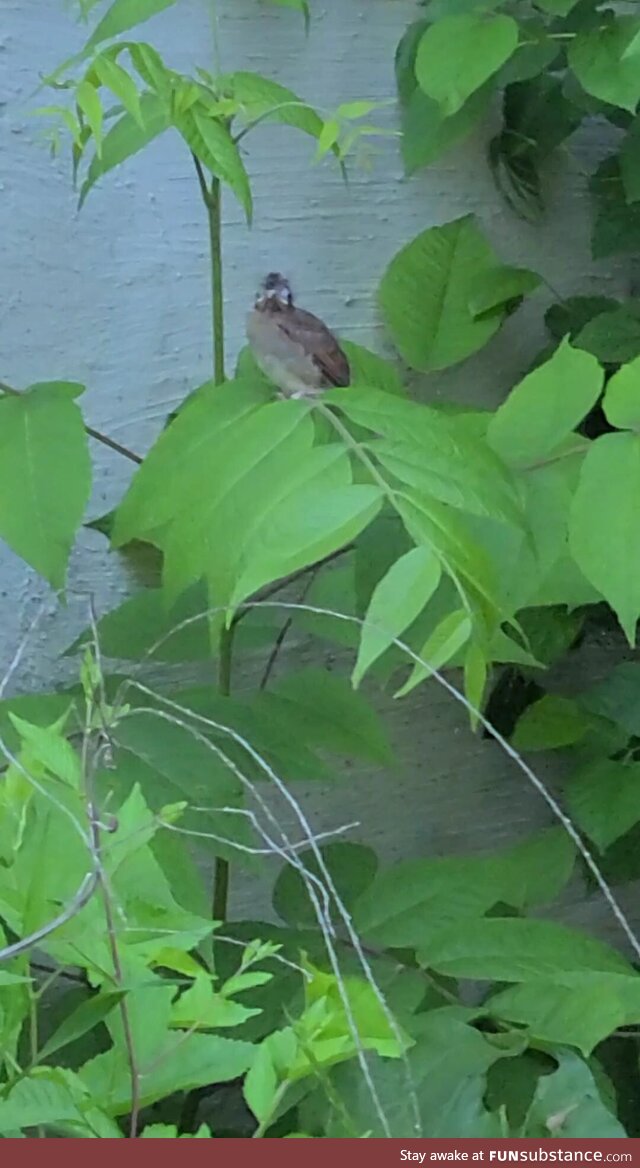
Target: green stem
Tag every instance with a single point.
(215, 242)
(212, 199)
(221, 871)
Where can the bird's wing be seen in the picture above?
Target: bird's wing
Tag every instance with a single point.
(318, 342)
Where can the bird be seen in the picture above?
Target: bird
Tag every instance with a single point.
(292, 347)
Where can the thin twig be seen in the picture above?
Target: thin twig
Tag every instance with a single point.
(282, 635)
(99, 437)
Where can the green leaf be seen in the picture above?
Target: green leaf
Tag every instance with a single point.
(616, 227)
(604, 529)
(617, 697)
(597, 57)
(424, 295)
(567, 1104)
(433, 453)
(211, 142)
(405, 60)
(550, 723)
(568, 317)
(494, 949)
(87, 1016)
(89, 102)
(115, 78)
(450, 635)
(457, 54)
(570, 1009)
(447, 1068)
(396, 602)
(49, 1096)
(537, 51)
(369, 369)
(124, 14)
(261, 98)
(186, 1063)
(621, 402)
(538, 117)
(493, 290)
(330, 715)
(127, 137)
(427, 133)
(546, 406)
(604, 800)
(352, 868)
(414, 900)
(45, 476)
(613, 337)
(49, 746)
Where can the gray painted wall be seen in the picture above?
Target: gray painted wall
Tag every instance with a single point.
(117, 297)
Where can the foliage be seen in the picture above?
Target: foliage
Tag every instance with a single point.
(466, 540)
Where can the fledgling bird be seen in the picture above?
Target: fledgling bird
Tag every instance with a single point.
(293, 348)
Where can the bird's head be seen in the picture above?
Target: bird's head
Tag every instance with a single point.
(274, 290)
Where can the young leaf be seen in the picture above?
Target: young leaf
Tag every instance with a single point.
(424, 295)
(597, 57)
(126, 137)
(604, 529)
(260, 98)
(396, 602)
(124, 14)
(621, 402)
(546, 406)
(457, 54)
(45, 476)
(451, 634)
(115, 78)
(212, 143)
(89, 102)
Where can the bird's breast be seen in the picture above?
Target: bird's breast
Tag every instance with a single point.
(281, 358)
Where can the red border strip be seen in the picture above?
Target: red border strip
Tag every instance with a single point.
(368, 1153)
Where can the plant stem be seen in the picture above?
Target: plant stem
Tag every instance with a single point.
(221, 871)
(211, 197)
(215, 242)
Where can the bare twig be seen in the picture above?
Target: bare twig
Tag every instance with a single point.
(282, 635)
(99, 437)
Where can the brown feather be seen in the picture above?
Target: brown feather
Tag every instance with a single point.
(318, 342)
